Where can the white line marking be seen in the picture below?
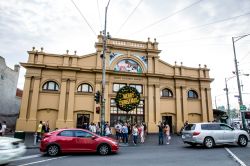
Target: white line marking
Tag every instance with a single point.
(27, 157)
(235, 157)
(41, 161)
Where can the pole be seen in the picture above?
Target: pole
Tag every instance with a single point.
(104, 74)
(238, 83)
(228, 106)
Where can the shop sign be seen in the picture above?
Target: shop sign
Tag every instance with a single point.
(127, 98)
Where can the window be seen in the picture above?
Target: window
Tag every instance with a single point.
(166, 93)
(116, 87)
(85, 88)
(66, 133)
(51, 85)
(210, 127)
(82, 134)
(225, 127)
(190, 127)
(192, 94)
(137, 87)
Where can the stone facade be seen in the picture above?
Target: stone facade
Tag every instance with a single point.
(9, 102)
(61, 88)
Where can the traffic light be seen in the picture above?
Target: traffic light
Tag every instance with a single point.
(97, 97)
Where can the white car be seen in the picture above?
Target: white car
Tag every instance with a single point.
(10, 148)
(211, 134)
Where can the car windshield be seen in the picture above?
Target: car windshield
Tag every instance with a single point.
(190, 127)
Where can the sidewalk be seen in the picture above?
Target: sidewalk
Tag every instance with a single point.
(151, 139)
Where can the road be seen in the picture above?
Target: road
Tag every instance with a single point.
(175, 154)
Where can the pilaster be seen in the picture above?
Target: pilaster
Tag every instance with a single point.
(34, 99)
(71, 101)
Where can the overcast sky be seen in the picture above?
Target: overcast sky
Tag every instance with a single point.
(190, 31)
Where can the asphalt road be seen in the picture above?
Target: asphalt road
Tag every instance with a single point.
(175, 154)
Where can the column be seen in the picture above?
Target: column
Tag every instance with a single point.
(203, 105)
(178, 106)
(21, 121)
(71, 103)
(60, 118)
(157, 104)
(151, 110)
(32, 122)
(184, 105)
(209, 105)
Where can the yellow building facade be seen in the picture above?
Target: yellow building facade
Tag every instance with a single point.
(61, 88)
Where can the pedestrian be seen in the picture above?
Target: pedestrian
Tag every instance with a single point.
(160, 135)
(47, 129)
(125, 133)
(4, 127)
(118, 128)
(167, 133)
(98, 128)
(135, 134)
(142, 133)
(39, 131)
(107, 130)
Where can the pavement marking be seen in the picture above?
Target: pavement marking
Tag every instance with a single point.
(27, 157)
(41, 161)
(235, 157)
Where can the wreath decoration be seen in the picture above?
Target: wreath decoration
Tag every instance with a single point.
(127, 98)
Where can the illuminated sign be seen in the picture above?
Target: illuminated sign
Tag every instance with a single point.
(127, 98)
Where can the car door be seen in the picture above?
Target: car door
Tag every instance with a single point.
(85, 141)
(212, 130)
(66, 140)
(228, 133)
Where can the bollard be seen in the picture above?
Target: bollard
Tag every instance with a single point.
(35, 137)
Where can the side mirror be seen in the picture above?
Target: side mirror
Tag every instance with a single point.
(93, 137)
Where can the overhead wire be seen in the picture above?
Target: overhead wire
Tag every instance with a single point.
(203, 25)
(167, 17)
(99, 13)
(129, 16)
(83, 17)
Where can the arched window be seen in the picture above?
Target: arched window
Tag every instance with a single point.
(85, 88)
(192, 94)
(50, 85)
(166, 93)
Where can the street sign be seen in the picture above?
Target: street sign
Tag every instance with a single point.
(243, 108)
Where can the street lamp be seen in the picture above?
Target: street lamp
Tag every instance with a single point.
(104, 73)
(228, 105)
(234, 40)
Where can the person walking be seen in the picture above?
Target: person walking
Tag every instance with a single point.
(135, 134)
(4, 127)
(39, 131)
(142, 133)
(107, 130)
(167, 133)
(125, 133)
(160, 135)
(47, 129)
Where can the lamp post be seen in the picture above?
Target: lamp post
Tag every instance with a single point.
(104, 73)
(234, 40)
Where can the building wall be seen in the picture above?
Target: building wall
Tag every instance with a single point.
(9, 102)
(61, 107)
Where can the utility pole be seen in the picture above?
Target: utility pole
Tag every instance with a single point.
(228, 106)
(235, 39)
(104, 73)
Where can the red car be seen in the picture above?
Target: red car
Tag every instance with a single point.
(76, 140)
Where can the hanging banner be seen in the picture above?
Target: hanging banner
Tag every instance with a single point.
(127, 98)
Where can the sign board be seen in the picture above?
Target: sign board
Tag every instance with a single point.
(243, 108)
(127, 98)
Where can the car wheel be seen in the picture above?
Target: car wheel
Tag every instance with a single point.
(242, 141)
(208, 142)
(53, 150)
(104, 149)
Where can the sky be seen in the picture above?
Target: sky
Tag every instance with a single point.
(189, 31)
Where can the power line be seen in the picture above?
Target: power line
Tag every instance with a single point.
(204, 25)
(83, 17)
(129, 16)
(99, 13)
(171, 15)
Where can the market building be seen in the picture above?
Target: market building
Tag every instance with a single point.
(61, 88)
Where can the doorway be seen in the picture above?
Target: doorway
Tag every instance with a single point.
(81, 119)
(168, 120)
